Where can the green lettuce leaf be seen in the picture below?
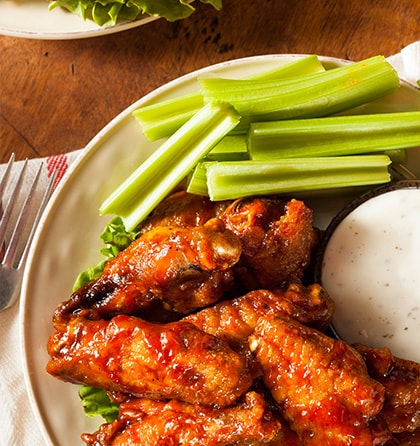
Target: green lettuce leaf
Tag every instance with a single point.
(96, 402)
(108, 12)
(116, 238)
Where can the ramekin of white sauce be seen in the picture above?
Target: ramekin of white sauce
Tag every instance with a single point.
(370, 266)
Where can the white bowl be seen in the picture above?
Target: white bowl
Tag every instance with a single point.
(370, 266)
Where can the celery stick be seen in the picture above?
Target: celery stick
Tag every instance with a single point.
(163, 118)
(135, 198)
(231, 147)
(308, 96)
(230, 180)
(333, 136)
(300, 67)
(197, 180)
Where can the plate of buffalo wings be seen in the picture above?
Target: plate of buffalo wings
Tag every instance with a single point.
(207, 328)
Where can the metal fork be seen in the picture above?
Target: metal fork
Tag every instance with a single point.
(18, 221)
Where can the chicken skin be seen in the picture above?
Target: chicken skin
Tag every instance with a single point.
(277, 235)
(320, 384)
(234, 320)
(277, 240)
(159, 361)
(185, 268)
(145, 422)
(401, 379)
(184, 210)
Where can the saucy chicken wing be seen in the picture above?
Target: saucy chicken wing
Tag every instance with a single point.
(320, 384)
(401, 379)
(277, 239)
(145, 422)
(159, 361)
(185, 268)
(234, 320)
(184, 210)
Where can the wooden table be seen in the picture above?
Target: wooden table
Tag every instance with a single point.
(56, 95)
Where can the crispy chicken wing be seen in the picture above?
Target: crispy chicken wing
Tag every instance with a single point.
(401, 379)
(185, 268)
(277, 235)
(321, 384)
(158, 361)
(144, 422)
(184, 210)
(277, 239)
(234, 320)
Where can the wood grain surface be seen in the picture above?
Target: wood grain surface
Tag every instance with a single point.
(56, 95)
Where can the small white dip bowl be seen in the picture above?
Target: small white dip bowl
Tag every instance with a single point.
(370, 265)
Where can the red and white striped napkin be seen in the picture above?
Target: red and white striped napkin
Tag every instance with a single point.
(17, 423)
(18, 426)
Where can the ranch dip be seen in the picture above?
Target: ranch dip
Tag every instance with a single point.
(371, 269)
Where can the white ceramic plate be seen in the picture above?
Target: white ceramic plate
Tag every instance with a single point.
(31, 19)
(67, 240)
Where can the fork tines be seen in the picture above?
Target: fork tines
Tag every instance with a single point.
(21, 214)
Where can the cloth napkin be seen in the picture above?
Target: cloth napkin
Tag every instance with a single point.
(407, 63)
(17, 422)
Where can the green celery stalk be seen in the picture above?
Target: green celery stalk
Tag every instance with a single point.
(135, 198)
(333, 136)
(231, 147)
(197, 180)
(308, 96)
(230, 180)
(165, 117)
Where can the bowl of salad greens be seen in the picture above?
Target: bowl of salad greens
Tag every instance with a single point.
(169, 134)
(69, 19)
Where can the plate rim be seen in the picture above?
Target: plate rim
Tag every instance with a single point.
(93, 30)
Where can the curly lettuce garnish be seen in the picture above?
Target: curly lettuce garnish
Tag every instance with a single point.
(108, 12)
(96, 402)
(116, 238)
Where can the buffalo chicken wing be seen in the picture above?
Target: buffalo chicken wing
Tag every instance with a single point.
(234, 320)
(320, 384)
(183, 210)
(185, 268)
(129, 355)
(401, 379)
(277, 240)
(145, 422)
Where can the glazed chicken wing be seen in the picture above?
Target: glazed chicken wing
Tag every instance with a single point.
(234, 320)
(185, 268)
(184, 210)
(401, 379)
(277, 235)
(144, 422)
(320, 384)
(158, 361)
(277, 240)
